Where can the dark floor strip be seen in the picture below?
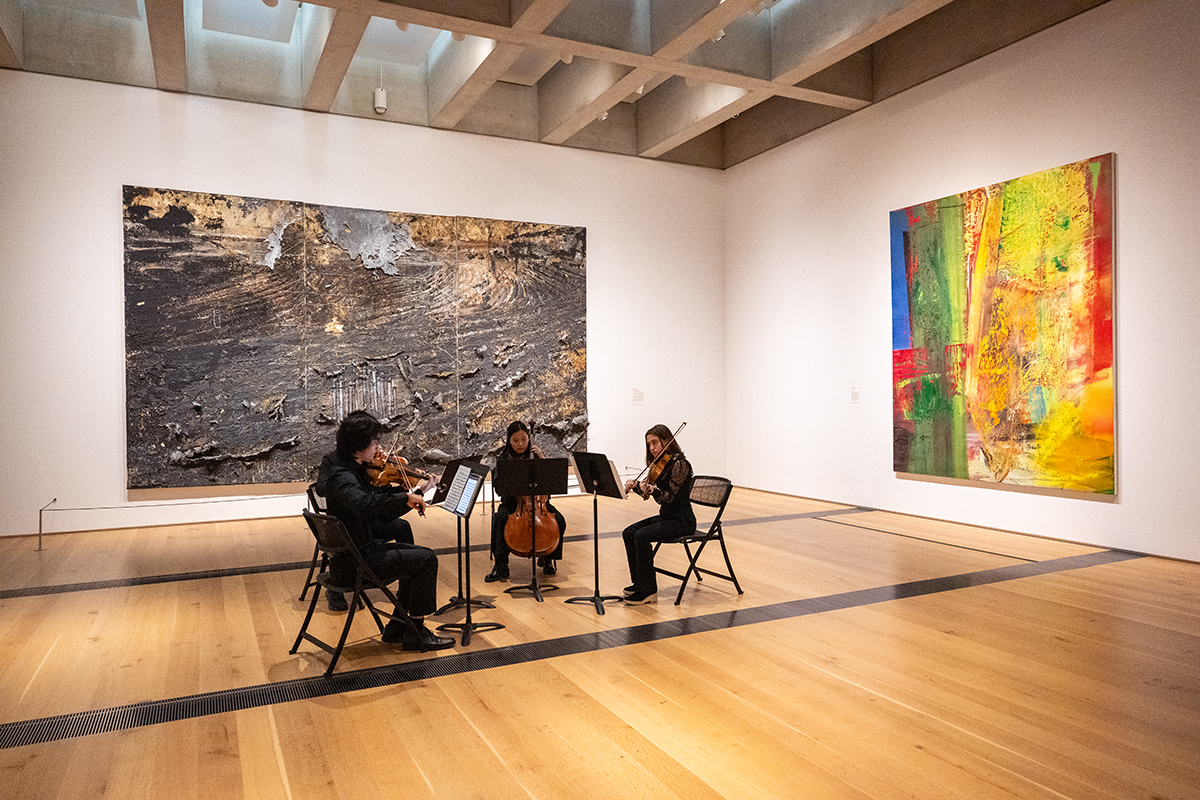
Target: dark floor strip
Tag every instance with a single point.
(149, 580)
(729, 523)
(84, 723)
(930, 541)
(117, 583)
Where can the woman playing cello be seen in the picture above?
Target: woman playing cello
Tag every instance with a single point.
(670, 484)
(519, 445)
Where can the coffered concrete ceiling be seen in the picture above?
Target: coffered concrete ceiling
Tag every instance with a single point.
(704, 82)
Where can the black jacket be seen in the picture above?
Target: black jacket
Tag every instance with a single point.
(352, 498)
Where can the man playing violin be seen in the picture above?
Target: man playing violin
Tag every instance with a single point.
(372, 516)
(670, 484)
(388, 528)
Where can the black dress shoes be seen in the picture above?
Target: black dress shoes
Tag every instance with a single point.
(498, 573)
(337, 601)
(394, 631)
(547, 565)
(424, 639)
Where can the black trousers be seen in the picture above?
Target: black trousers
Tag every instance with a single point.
(414, 567)
(639, 547)
(396, 530)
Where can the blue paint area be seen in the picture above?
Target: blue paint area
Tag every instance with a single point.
(1037, 404)
(901, 327)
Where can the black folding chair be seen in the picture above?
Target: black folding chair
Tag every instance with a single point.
(316, 504)
(711, 491)
(333, 539)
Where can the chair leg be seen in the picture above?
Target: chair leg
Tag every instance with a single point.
(688, 550)
(365, 602)
(728, 563)
(311, 569)
(691, 570)
(337, 651)
(307, 618)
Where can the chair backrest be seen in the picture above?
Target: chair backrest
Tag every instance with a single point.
(709, 490)
(315, 501)
(332, 536)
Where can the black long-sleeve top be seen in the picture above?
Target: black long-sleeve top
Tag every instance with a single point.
(672, 490)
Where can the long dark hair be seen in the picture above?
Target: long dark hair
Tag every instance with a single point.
(508, 451)
(664, 435)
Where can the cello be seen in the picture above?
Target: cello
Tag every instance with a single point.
(532, 529)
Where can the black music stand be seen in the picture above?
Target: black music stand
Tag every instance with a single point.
(598, 475)
(530, 477)
(459, 499)
(439, 496)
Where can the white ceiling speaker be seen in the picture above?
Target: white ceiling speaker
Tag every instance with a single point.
(380, 100)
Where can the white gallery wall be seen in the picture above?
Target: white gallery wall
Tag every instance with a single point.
(753, 304)
(655, 277)
(807, 272)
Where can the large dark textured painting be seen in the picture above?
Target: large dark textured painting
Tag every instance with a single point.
(253, 326)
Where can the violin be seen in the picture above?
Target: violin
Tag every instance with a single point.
(386, 469)
(656, 469)
(532, 529)
(656, 466)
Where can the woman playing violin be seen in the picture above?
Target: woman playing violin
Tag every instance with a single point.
(670, 484)
(519, 445)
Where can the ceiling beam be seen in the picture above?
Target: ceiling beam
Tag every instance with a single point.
(828, 31)
(570, 99)
(808, 37)
(458, 88)
(710, 23)
(461, 75)
(345, 34)
(11, 34)
(535, 15)
(676, 113)
(168, 44)
(704, 27)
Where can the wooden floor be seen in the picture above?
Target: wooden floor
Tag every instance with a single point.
(1082, 681)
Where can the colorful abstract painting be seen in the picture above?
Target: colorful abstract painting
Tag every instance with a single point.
(253, 326)
(1002, 332)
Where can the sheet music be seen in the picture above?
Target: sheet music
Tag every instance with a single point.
(470, 485)
(455, 497)
(617, 478)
